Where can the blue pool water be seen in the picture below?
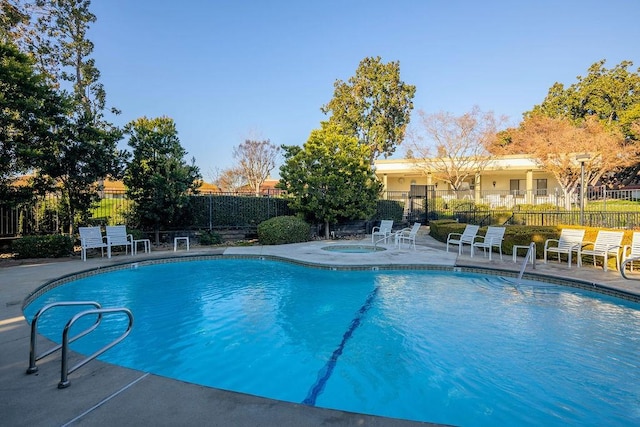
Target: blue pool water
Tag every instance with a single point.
(450, 348)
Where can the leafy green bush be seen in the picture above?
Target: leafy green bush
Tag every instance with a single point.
(135, 233)
(52, 246)
(440, 229)
(283, 229)
(209, 237)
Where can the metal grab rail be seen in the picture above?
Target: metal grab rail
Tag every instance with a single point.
(375, 244)
(623, 267)
(531, 254)
(34, 331)
(64, 370)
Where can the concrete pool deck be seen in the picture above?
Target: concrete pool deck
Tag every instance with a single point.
(103, 394)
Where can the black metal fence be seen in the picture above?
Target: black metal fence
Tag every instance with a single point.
(208, 211)
(602, 208)
(419, 204)
(600, 219)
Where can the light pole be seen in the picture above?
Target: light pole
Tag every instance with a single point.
(582, 158)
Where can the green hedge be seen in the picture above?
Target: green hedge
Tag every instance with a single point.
(208, 238)
(283, 229)
(51, 246)
(521, 235)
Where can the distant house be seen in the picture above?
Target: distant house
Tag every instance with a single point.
(208, 188)
(517, 177)
(113, 186)
(116, 188)
(269, 187)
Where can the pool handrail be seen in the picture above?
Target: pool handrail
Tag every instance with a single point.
(34, 331)
(375, 243)
(64, 369)
(623, 267)
(531, 255)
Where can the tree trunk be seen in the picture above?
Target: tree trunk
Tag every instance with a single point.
(326, 230)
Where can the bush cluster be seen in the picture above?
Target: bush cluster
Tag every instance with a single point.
(283, 229)
(208, 238)
(51, 246)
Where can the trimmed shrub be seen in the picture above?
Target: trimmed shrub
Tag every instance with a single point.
(52, 246)
(283, 229)
(439, 229)
(208, 238)
(514, 234)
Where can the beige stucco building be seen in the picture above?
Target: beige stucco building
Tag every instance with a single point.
(517, 178)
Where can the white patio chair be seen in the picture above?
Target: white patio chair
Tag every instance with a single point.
(384, 230)
(632, 250)
(608, 243)
(407, 235)
(570, 241)
(464, 238)
(492, 239)
(91, 238)
(117, 236)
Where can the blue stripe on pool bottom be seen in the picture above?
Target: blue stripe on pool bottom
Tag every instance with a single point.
(325, 373)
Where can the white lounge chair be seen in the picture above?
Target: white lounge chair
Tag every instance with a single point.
(407, 235)
(117, 236)
(608, 243)
(632, 251)
(383, 231)
(492, 239)
(570, 241)
(91, 238)
(464, 238)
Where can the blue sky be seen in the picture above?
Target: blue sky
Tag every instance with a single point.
(227, 71)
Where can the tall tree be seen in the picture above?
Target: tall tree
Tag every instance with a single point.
(56, 35)
(231, 180)
(330, 177)
(158, 179)
(256, 160)
(453, 148)
(374, 106)
(12, 17)
(557, 143)
(73, 166)
(29, 111)
(603, 93)
(84, 151)
(611, 95)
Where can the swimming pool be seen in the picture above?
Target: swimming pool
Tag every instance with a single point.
(433, 346)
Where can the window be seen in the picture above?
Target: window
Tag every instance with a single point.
(515, 188)
(541, 187)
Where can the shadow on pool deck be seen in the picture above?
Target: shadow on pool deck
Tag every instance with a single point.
(103, 394)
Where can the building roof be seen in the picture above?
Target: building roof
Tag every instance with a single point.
(206, 188)
(496, 163)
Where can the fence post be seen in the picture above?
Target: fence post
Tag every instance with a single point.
(210, 212)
